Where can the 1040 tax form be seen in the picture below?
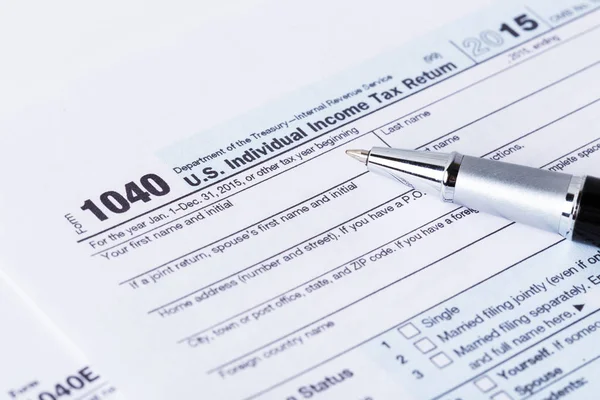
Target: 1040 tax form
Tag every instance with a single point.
(256, 261)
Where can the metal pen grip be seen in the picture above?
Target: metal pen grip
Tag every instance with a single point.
(523, 194)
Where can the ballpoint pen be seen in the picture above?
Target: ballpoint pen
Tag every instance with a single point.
(553, 201)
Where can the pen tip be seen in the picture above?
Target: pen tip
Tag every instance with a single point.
(360, 155)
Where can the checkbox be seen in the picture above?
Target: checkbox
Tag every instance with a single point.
(485, 384)
(409, 330)
(425, 345)
(501, 396)
(441, 360)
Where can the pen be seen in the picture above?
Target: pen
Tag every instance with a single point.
(553, 201)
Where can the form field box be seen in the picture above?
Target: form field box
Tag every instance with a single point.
(501, 396)
(425, 345)
(485, 384)
(409, 330)
(441, 360)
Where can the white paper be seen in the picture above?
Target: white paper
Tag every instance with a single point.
(256, 260)
(37, 361)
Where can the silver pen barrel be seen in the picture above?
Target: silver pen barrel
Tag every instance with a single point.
(540, 198)
(536, 197)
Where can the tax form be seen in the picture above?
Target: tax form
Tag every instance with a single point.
(256, 261)
(37, 361)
